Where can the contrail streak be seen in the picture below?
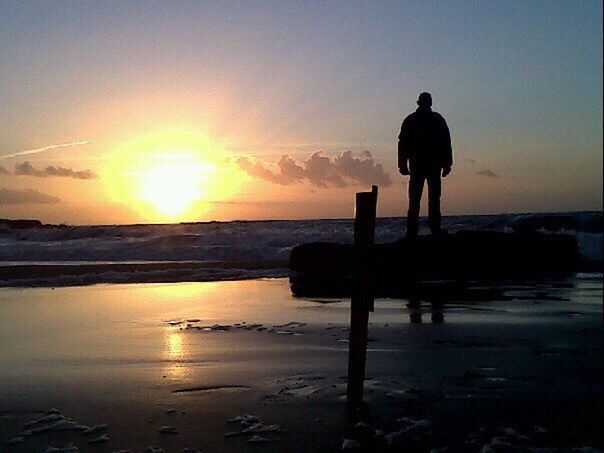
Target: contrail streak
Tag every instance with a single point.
(45, 148)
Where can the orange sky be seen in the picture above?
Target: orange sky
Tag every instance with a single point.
(190, 176)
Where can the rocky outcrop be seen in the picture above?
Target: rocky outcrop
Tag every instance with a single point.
(327, 269)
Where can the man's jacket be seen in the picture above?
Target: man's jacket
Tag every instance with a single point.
(425, 142)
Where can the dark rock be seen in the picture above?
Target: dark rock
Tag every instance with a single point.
(20, 224)
(408, 266)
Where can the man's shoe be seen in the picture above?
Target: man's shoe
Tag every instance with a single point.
(409, 236)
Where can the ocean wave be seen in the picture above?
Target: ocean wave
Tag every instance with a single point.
(259, 240)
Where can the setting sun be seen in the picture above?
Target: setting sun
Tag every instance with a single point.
(171, 176)
(172, 187)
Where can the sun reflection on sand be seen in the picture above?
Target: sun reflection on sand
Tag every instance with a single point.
(183, 290)
(174, 344)
(174, 355)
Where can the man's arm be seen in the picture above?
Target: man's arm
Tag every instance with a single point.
(447, 158)
(403, 156)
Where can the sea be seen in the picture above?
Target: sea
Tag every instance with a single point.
(264, 245)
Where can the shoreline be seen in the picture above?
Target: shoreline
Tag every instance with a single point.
(60, 274)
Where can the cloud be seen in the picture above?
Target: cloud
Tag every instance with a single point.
(45, 148)
(260, 170)
(290, 169)
(3, 171)
(26, 169)
(26, 196)
(364, 170)
(69, 173)
(487, 173)
(319, 170)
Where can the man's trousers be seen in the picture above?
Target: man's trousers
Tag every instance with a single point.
(416, 188)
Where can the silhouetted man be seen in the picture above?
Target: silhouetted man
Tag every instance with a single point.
(424, 153)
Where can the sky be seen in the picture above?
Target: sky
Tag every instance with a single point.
(132, 112)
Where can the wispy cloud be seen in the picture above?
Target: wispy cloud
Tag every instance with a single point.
(487, 173)
(320, 170)
(26, 169)
(25, 196)
(45, 148)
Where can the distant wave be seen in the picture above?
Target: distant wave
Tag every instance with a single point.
(258, 240)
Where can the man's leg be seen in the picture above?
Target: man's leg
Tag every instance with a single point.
(416, 187)
(434, 192)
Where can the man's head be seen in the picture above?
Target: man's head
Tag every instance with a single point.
(424, 100)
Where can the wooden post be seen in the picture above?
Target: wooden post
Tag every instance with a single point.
(362, 293)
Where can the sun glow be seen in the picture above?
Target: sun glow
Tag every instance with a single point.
(173, 187)
(171, 176)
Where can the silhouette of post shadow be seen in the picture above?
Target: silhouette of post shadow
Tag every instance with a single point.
(362, 293)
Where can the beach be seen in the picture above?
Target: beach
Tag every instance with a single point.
(291, 227)
(244, 366)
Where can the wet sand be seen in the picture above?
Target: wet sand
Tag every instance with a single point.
(168, 365)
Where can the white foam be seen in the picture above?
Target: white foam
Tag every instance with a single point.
(245, 419)
(70, 448)
(258, 439)
(252, 425)
(95, 428)
(261, 428)
(15, 440)
(64, 425)
(101, 439)
(410, 426)
(350, 444)
(44, 420)
(496, 444)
